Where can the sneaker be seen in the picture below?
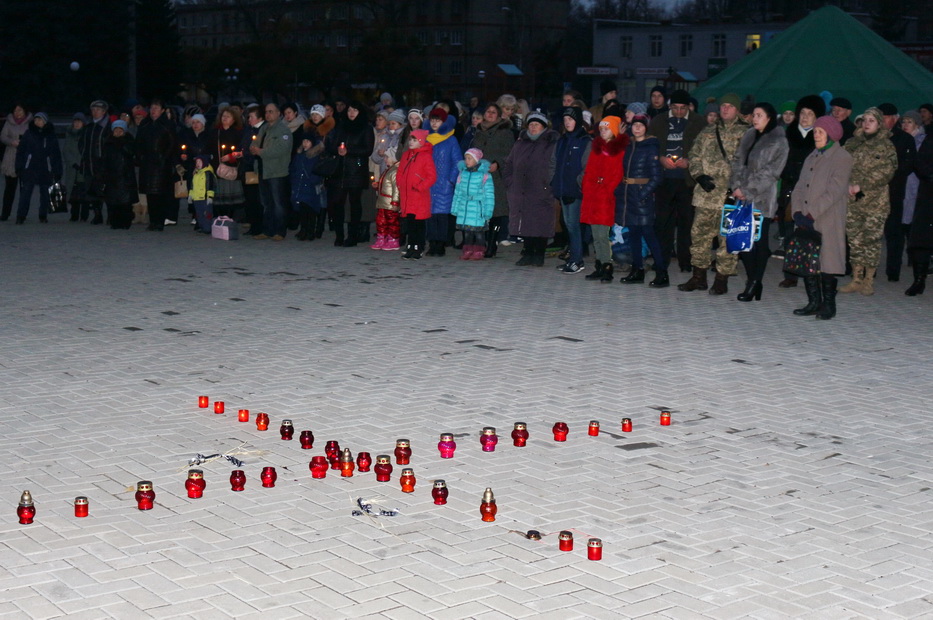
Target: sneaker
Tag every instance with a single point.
(506, 243)
(573, 268)
(169, 222)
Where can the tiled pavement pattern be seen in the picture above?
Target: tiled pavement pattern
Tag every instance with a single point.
(794, 483)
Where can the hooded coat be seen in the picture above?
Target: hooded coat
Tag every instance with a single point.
(602, 175)
(39, 158)
(119, 170)
(446, 156)
(757, 166)
(822, 193)
(307, 187)
(415, 177)
(496, 142)
(635, 201)
(527, 174)
(357, 135)
(474, 195)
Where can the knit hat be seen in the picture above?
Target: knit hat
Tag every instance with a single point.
(831, 126)
(319, 110)
(788, 106)
(79, 116)
(421, 135)
(613, 123)
(606, 87)
(204, 159)
(811, 102)
(641, 118)
(587, 117)
(416, 112)
(659, 89)
(748, 105)
(475, 153)
(199, 117)
(913, 115)
(398, 116)
(680, 96)
(383, 114)
(119, 125)
(888, 109)
(575, 113)
(537, 116)
(637, 108)
(840, 102)
(711, 108)
(732, 99)
(42, 115)
(385, 98)
(877, 113)
(438, 112)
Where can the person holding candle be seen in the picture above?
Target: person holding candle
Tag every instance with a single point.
(224, 140)
(249, 169)
(193, 141)
(352, 141)
(273, 148)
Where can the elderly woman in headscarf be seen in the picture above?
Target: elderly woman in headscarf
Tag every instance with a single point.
(874, 161)
(819, 204)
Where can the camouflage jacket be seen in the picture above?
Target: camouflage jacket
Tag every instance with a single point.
(874, 161)
(706, 158)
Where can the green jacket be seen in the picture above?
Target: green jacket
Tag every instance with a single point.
(275, 140)
(874, 162)
(706, 158)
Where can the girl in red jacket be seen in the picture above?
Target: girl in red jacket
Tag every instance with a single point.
(602, 174)
(416, 174)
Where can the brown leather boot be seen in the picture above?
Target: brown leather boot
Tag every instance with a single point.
(697, 282)
(720, 285)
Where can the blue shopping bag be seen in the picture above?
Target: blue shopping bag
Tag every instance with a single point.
(738, 227)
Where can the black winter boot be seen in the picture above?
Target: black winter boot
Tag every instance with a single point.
(635, 276)
(661, 279)
(921, 268)
(319, 223)
(814, 297)
(608, 269)
(597, 271)
(828, 288)
(98, 216)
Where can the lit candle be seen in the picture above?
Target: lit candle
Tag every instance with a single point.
(218, 406)
(488, 507)
(243, 415)
(665, 418)
(626, 425)
(402, 452)
(203, 402)
(262, 422)
(408, 480)
(81, 506)
(346, 464)
(593, 430)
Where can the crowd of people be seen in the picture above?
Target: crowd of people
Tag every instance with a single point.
(478, 176)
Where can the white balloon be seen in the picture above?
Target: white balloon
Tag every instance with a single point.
(75, 66)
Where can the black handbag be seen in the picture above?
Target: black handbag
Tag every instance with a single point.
(802, 257)
(326, 165)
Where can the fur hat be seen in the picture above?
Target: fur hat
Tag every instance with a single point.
(421, 135)
(606, 87)
(680, 96)
(840, 102)
(637, 108)
(536, 116)
(398, 116)
(811, 102)
(475, 153)
(831, 126)
(438, 112)
(613, 123)
(888, 109)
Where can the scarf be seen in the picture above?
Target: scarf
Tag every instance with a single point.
(437, 138)
(829, 143)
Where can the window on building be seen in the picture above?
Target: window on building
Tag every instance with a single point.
(719, 45)
(439, 36)
(752, 42)
(423, 37)
(341, 39)
(625, 46)
(439, 67)
(686, 45)
(456, 37)
(456, 67)
(657, 45)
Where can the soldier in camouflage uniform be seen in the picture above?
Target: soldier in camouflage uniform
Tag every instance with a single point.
(711, 166)
(874, 161)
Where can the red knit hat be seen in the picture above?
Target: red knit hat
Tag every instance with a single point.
(421, 135)
(438, 112)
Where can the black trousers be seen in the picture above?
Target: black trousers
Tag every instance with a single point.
(414, 230)
(674, 218)
(253, 207)
(9, 193)
(756, 259)
(337, 199)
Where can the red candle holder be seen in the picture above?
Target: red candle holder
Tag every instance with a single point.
(237, 480)
(26, 511)
(81, 506)
(565, 541)
(332, 450)
(363, 461)
(594, 549)
(626, 425)
(346, 464)
(440, 492)
(145, 496)
(195, 484)
(383, 468)
(489, 439)
(446, 446)
(262, 421)
(318, 466)
(402, 452)
(268, 477)
(203, 402)
(560, 431)
(488, 508)
(665, 418)
(407, 480)
(520, 435)
(593, 430)
(243, 415)
(218, 406)
(287, 430)
(307, 440)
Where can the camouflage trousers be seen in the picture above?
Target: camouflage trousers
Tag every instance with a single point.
(864, 232)
(706, 228)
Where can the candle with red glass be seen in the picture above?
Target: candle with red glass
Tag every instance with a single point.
(560, 431)
(287, 430)
(402, 452)
(489, 439)
(594, 549)
(203, 402)
(626, 425)
(218, 406)
(145, 496)
(346, 464)
(237, 480)
(593, 430)
(195, 484)
(383, 468)
(332, 450)
(520, 435)
(440, 492)
(565, 541)
(307, 440)
(363, 461)
(243, 415)
(268, 477)
(81, 506)
(262, 421)
(407, 480)
(665, 418)
(447, 445)
(488, 508)
(26, 511)
(318, 466)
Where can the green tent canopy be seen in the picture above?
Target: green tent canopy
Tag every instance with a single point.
(827, 50)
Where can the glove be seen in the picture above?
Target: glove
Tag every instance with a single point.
(210, 203)
(190, 200)
(803, 221)
(706, 182)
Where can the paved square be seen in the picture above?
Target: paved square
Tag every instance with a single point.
(794, 482)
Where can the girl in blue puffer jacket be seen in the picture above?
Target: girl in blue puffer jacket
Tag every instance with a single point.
(473, 203)
(447, 155)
